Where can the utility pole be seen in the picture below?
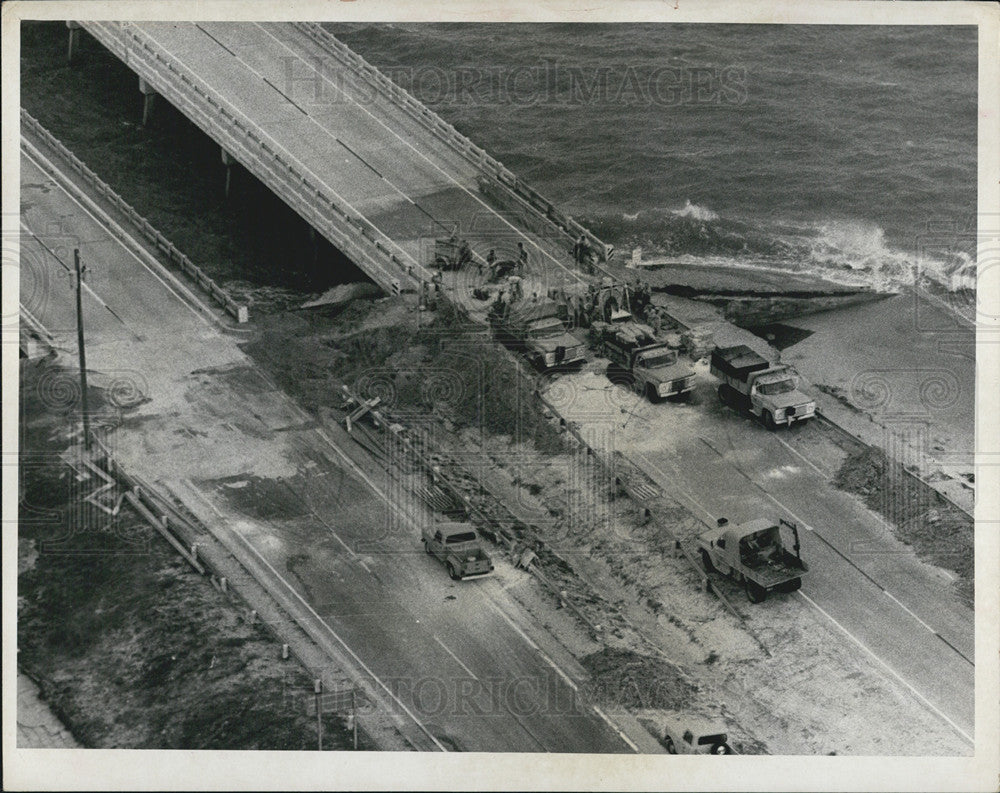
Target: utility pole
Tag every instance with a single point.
(318, 688)
(354, 714)
(79, 343)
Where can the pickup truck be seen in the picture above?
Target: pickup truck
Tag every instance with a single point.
(458, 547)
(653, 365)
(536, 330)
(750, 382)
(754, 555)
(682, 734)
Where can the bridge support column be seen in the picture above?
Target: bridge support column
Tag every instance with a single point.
(228, 160)
(314, 241)
(74, 39)
(148, 99)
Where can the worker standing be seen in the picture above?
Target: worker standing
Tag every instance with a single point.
(654, 320)
(491, 261)
(516, 288)
(522, 258)
(464, 255)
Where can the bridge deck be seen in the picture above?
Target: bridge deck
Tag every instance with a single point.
(356, 143)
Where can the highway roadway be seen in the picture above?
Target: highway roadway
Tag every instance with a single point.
(401, 178)
(462, 660)
(896, 610)
(367, 151)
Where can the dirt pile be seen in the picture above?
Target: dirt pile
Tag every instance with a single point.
(939, 532)
(624, 679)
(420, 365)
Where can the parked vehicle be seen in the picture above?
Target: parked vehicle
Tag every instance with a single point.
(682, 734)
(653, 365)
(536, 329)
(459, 548)
(754, 555)
(750, 382)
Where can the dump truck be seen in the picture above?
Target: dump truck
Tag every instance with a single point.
(459, 548)
(769, 391)
(753, 554)
(536, 329)
(653, 365)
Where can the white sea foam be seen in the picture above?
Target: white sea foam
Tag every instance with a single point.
(695, 212)
(857, 253)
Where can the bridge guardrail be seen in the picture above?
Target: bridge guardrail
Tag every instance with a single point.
(525, 195)
(238, 310)
(373, 251)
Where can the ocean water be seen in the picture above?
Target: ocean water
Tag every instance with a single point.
(848, 151)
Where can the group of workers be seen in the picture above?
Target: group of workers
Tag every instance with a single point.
(493, 269)
(456, 253)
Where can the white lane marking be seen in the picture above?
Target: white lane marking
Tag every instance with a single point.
(616, 728)
(296, 161)
(136, 257)
(673, 486)
(86, 287)
(319, 619)
(802, 457)
(908, 611)
(531, 643)
(891, 671)
(113, 234)
(809, 528)
(458, 660)
(559, 671)
(308, 116)
(434, 165)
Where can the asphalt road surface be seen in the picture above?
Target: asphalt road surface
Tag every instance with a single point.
(898, 610)
(459, 656)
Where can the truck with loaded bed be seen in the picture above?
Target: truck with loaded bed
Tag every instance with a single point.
(768, 391)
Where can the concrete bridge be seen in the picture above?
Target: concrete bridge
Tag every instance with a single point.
(360, 159)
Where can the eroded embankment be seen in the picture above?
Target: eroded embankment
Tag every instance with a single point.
(939, 532)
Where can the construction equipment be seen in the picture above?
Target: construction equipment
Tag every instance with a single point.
(458, 547)
(653, 365)
(768, 391)
(754, 555)
(536, 329)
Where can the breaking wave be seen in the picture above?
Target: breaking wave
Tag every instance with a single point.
(853, 253)
(696, 212)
